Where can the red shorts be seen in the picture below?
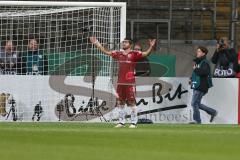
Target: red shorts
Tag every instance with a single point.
(126, 92)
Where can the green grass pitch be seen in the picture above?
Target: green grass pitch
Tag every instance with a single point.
(97, 141)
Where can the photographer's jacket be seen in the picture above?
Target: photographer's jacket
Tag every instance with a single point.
(225, 60)
(201, 77)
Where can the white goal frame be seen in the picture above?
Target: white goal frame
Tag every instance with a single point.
(51, 96)
(76, 4)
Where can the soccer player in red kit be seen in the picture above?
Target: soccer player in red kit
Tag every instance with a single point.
(126, 79)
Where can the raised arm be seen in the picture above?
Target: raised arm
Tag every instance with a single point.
(94, 41)
(148, 51)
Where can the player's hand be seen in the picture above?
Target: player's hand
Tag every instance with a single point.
(93, 40)
(152, 42)
(238, 61)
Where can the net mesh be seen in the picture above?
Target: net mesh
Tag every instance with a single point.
(54, 41)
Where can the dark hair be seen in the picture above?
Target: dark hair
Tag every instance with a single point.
(128, 39)
(203, 49)
(9, 40)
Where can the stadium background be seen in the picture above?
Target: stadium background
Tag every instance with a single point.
(168, 21)
(181, 25)
(73, 141)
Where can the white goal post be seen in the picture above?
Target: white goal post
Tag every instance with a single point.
(61, 31)
(75, 4)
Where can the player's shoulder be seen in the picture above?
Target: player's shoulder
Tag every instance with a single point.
(117, 52)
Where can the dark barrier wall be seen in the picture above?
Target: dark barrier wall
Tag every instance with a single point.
(75, 65)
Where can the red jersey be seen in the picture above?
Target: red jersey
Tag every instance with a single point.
(127, 65)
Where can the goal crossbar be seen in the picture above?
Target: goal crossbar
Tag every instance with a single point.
(62, 4)
(76, 4)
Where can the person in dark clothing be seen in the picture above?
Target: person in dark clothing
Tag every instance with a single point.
(201, 81)
(10, 60)
(224, 59)
(36, 61)
(143, 67)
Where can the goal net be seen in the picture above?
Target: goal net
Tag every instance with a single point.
(49, 69)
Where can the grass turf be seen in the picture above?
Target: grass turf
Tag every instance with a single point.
(71, 141)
